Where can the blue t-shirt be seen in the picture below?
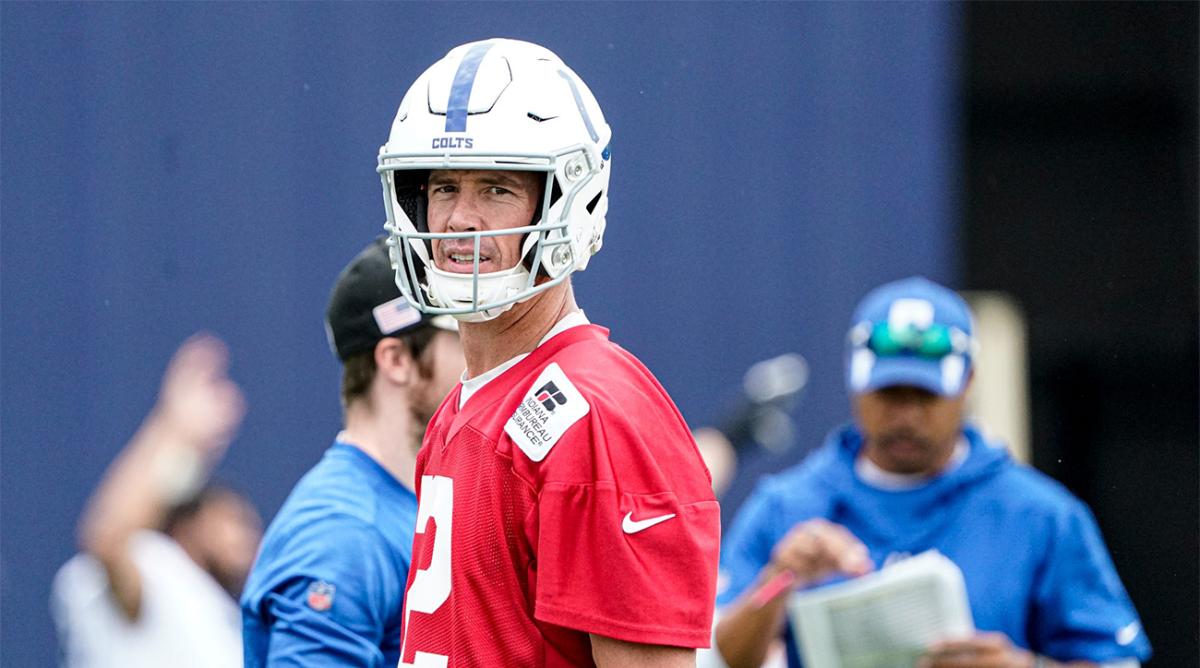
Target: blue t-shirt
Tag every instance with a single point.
(1031, 554)
(328, 586)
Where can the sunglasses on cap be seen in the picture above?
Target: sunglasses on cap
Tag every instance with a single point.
(932, 342)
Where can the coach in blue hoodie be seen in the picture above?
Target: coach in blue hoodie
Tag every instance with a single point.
(908, 476)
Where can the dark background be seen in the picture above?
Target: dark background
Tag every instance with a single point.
(171, 167)
(1079, 199)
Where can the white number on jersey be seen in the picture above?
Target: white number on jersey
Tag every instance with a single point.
(431, 586)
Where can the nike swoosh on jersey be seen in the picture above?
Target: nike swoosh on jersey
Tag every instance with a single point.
(630, 525)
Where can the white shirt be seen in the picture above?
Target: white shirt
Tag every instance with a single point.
(186, 619)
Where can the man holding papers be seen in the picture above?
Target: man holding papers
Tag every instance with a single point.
(909, 476)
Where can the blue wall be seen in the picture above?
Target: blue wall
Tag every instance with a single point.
(172, 167)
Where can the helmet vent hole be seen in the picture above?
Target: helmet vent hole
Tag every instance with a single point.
(591, 206)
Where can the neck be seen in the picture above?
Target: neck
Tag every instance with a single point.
(932, 467)
(388, 436)
(488, 344)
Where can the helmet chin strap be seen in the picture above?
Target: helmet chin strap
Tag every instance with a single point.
(453, 290)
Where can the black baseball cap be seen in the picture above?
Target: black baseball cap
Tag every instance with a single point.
(366, 306)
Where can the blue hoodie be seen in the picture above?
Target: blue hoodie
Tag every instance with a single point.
(1031, 554)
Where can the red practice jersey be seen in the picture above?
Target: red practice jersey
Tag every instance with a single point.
(567, 497)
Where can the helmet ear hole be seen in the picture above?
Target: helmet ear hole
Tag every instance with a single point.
(555, 195)
(591, 206)
(555, 191)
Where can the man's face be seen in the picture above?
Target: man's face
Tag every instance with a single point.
(909, 429)
(443, 358)
(463, 200)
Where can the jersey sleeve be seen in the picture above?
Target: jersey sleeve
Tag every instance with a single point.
(1082, 611)
(301, 636)
(627, 543)
(328, 607)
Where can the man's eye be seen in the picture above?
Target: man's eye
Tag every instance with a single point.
(498, 190)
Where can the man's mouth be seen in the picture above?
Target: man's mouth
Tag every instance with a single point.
(463, 262)
(904, 442)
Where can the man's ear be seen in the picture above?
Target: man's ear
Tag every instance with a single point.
(394, 362)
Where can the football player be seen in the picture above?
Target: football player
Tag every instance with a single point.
(327, 586)
(565, 516)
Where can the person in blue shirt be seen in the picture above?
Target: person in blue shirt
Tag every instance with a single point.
(909, 476)
(327, 587)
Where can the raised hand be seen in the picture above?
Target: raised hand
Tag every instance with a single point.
(198, 402)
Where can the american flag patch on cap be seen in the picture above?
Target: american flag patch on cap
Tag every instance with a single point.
(395, 315)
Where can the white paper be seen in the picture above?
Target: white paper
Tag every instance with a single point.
(884, 619)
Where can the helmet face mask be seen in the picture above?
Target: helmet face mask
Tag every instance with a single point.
(496, 105)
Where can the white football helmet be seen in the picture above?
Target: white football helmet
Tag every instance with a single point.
(504, 105)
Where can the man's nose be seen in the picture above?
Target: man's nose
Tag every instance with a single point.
(465, 215)
(906, 404)
(907, 410)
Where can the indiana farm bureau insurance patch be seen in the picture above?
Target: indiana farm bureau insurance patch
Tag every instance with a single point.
(550, 407)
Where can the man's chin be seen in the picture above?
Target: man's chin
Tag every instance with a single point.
(910, 468)
(906, 457)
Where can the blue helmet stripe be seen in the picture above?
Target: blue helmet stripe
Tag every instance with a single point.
(587, 120)
(460, 91)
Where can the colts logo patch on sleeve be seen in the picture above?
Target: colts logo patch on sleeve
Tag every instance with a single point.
(548, 409)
